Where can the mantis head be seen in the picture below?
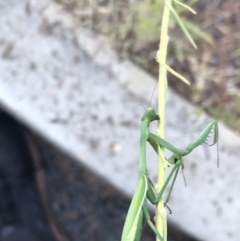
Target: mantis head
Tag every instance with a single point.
(150, 115)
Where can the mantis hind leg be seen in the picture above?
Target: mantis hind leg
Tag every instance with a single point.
(146, 216)
(174, 169)
(152, 197)
(171, 188)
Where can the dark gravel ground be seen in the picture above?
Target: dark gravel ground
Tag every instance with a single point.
(85, 206)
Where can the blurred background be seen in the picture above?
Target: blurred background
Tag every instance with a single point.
(76, 76)
(132, 27)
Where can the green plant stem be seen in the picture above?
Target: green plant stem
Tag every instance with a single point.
(161, 217)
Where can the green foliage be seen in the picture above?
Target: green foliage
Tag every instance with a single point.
(148, 19)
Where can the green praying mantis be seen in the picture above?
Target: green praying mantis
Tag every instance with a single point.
(138, 212)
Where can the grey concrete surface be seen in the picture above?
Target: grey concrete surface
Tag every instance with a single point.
(70, 87)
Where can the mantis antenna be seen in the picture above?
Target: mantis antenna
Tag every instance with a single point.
(153, 93)
(151, 97)
(143, 107)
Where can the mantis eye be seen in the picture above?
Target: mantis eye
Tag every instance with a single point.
(157, 117)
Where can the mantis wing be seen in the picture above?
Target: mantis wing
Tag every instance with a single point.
(134, 221)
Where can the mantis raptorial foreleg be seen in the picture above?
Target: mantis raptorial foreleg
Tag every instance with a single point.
(155, 141)
(177, 155)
